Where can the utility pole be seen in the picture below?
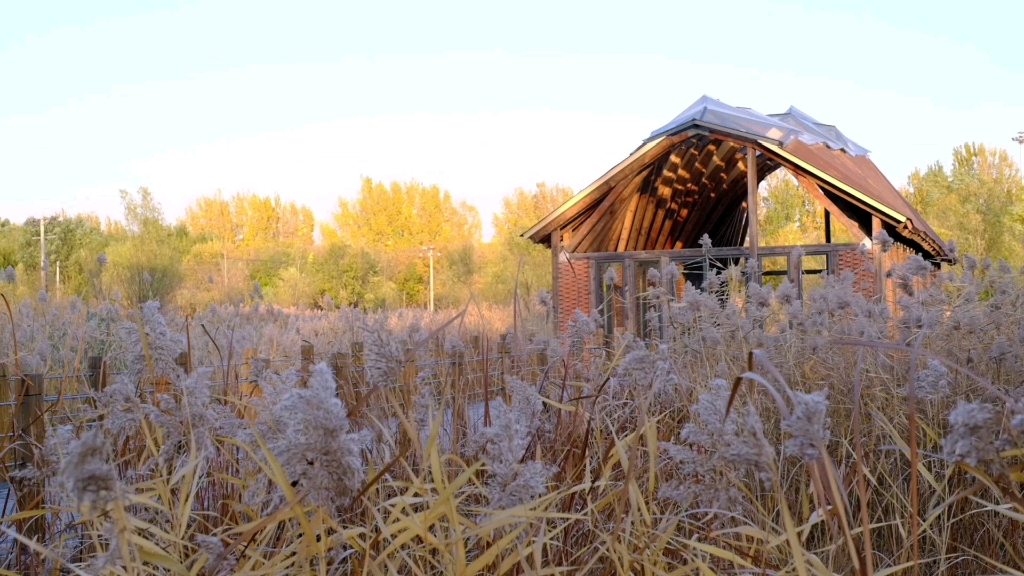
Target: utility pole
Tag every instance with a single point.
(1019, 139)
(42, 254)
(429, 250)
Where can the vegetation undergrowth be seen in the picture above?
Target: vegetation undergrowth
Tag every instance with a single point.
(765, 433)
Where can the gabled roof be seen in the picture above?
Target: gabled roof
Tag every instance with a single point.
(696, 161)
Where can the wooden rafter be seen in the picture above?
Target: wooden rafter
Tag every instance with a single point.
(815, 191)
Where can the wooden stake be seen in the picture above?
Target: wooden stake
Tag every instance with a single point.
(306, 355)
(97, 373)
(30, 427)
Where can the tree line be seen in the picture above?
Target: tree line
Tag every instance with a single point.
(369, 254)
(246, 248)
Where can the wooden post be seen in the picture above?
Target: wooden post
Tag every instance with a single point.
(475, 365)
(6, 412)
(340, 364)
(879, 258)
(358, 364)
(752, 232)
(505, 350)
(30, 432)
(184, 361)
(97, 368)
(409, 374)
(540, 363)
(306, 355)
(556, 256)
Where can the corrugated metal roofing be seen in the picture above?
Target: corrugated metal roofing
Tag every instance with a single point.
(794, 138)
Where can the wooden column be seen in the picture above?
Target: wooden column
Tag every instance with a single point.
(30, 428)
(752, 232)
(879, 258)
(629, 294)
(556, 255)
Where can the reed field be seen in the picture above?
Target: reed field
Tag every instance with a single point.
(763, 432)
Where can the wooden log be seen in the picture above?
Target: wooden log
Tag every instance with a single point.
(30, 434)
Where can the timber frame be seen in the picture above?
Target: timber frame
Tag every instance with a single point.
(698, 177)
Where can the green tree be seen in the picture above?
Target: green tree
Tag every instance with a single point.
(977, 202)
(394, 222)
(519, 211)
(787, 214)
(145, 254)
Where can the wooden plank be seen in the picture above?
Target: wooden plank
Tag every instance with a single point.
(727, 251)
(608, 236)
(590, 195)
(706, 199)
(627, 223)
(638, 218)
(655, 206)
(667, 187)
(876, 227)
(701, 168)
(598, 223)
(830, 208)
(556, 253)
(678, 206)
(594, 219)
(728, 200)
(752, 204)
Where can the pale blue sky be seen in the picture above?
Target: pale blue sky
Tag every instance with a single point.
(303, 98)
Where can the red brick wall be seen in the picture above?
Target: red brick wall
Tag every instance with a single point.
(860, 265)
(574, 286)
(863, 271)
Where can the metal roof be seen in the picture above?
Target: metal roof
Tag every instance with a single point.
(797, 140)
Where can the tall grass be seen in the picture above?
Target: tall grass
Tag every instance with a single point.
(764, 434)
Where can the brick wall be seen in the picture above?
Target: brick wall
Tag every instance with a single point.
(574, 286)
(863, 270)
(861, 267)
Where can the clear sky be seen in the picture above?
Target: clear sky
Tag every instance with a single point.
(302, 99)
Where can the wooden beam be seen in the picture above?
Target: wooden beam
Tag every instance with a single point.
(595, 217)
(831, 209)
(642, 208)
(642, 157)
(752, 211)
(710, 193)
(556, 254)
(665, 194)
(676, 196)
(876, 251)
(627, 223)
(609, 233)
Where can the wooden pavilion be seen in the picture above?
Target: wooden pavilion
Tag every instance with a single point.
(699, 175)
